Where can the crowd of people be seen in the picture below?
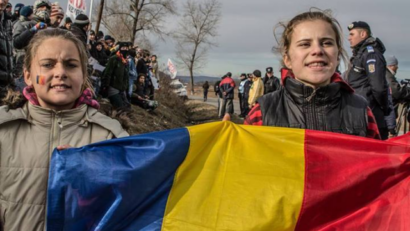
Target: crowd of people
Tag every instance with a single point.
(124, 63)
(312, 93)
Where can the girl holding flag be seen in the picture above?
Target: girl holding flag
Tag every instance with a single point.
(56, 110)
(314, 96)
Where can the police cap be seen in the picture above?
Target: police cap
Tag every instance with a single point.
(359, 24)
(269, 70)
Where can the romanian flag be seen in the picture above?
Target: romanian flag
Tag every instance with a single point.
(226, 177)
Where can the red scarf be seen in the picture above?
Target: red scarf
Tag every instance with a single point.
(119, 55)
(85, 98)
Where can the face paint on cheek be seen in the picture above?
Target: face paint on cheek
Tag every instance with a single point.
(41, 79)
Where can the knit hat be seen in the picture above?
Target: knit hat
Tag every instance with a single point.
(56, 10)
(26, 11)
(41, 3)
(9, 5)
(18, 7)
(82, 20)
(257, 73)
(391, 61)
(68, 20)
(92, 32)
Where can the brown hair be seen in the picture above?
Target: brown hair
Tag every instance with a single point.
(314, 14)
(14, 99)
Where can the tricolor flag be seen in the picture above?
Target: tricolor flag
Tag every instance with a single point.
(220, 176)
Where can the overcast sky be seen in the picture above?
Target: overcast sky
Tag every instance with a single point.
(246, 31)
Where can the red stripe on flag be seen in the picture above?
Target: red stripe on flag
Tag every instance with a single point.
(355, 183)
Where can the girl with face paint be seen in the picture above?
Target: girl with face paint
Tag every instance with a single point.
(56, 110)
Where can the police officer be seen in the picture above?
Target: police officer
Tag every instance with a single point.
(367, 70)
(270, 82)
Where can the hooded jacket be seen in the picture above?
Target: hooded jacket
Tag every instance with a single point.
(366, 75)
(28, 136)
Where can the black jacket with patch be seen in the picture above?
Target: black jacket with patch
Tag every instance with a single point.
(367, 76)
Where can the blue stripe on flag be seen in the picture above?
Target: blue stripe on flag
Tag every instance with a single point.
(109, 185)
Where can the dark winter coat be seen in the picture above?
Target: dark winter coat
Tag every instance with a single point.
(79, 33)
(246, 89)
(367, 76)
(399, 93)
(227, 86)
(271, 84)
(22, 36)
(333, 108)
(100, 56)
(115, 74)
(6, 52)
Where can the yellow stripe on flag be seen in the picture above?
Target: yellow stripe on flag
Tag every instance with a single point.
(232, 179)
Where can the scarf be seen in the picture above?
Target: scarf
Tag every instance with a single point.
(85, 98)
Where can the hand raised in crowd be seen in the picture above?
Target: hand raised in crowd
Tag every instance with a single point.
(39, 26)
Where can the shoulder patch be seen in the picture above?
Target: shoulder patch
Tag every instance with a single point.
(370, 49)
(371, 61)
(372, 68)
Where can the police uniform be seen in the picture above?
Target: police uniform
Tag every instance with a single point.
(366, 74)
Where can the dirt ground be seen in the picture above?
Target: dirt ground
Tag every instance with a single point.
(172, 112)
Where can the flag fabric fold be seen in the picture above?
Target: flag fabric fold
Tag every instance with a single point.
(221, 176)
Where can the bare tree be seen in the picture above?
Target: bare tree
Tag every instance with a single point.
(197, 27)
(132, 16)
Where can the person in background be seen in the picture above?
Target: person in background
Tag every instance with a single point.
(367, 72)
(8, 10)
(114, 81)
(55, 110)
(154, 66)
(227, 87)
(400, 94)
(6, 50)
(313, 95)
(139, 96)
(80, 28)
(133, 75)
(42, 11)
(205, 88)
(99, 54)
(241, 89)
(246, 90)
(57, 15)
(100, 35)
(67, 23)
(109, 44)
(16, 14)
(23, 31)
(271, 83)
(256, 90)
(218, 93)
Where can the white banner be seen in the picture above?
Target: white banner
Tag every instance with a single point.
(172, 69)
(76, 7)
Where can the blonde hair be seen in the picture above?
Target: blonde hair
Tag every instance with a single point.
(314, 14)
(43, 35)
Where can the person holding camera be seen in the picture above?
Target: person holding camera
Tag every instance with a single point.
(400, 93)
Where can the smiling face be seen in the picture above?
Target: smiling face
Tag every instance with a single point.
(313, 53)
(56, 74)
